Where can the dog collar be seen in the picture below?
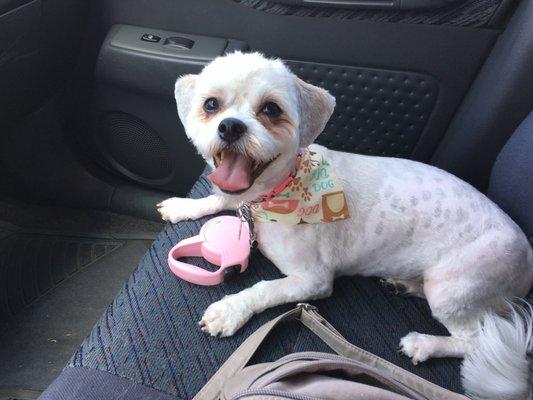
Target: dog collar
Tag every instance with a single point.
(278, 189)
(314, 194)
(285, 182)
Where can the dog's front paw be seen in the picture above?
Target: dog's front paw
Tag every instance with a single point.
(417, 346)
(176, 209)
(225, 317)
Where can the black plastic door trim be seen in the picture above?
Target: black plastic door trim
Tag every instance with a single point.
(381, 4)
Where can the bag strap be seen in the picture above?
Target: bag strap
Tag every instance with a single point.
(240, 357)
(329, 335)
(310, 317)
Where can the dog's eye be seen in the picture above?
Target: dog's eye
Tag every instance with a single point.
(211, 105)
(271, 109)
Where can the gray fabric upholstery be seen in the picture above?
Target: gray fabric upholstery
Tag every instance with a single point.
(150, 334)
(91, 384)
(511, 183)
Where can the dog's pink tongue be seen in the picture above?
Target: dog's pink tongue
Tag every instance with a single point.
(233, 173)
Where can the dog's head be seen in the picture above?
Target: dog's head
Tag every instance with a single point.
(248, 116)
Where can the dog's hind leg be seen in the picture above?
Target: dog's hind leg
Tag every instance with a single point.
(420, 347)
(458, 305)
(463, 286)
(458, 310)
(404, 287)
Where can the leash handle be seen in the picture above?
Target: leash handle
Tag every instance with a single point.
(222, 241)
(192, 247)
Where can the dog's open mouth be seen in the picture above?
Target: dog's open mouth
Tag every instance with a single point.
(234, 172)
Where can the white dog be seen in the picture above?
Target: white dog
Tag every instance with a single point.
(423, 230)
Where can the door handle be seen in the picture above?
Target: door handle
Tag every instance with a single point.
(379, 4)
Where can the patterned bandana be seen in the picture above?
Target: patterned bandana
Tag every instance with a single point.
(313, 196)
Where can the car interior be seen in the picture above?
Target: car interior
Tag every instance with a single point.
(90, 142)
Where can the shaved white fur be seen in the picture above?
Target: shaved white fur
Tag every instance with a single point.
(412, 224)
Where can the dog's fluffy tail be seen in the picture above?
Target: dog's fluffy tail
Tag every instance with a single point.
(500, 366)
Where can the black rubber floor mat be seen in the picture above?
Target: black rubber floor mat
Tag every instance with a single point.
(32, 264)
(60, 268)
(19, 394)
(36, 343)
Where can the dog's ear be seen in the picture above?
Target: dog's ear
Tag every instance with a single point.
(183, 92)
(315, 106)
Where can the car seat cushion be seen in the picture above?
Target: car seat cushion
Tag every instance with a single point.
(91, 384)
(149, 334)
(511, 183)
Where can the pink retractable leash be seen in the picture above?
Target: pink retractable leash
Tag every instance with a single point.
(224, 241)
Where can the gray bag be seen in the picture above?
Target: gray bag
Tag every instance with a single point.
(352, 374)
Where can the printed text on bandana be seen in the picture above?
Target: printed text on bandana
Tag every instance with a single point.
(314, 196)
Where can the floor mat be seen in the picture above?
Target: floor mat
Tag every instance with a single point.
(31, 264)
(19, 394)
(55, 282)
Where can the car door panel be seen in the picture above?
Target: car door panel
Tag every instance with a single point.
(397, 84)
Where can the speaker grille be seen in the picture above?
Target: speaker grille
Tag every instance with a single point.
(135, 147)
(378, 112)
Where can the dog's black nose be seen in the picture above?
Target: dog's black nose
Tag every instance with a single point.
(231, 129)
